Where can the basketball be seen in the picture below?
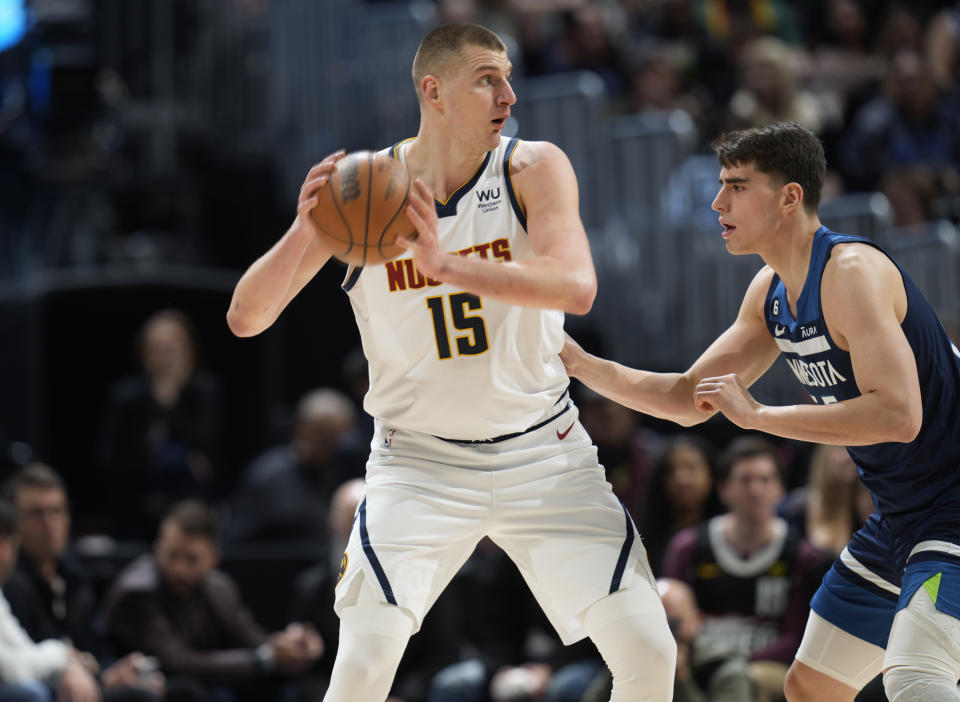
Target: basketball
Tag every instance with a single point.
(361, 210)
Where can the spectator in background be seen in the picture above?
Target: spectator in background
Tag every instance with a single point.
(912, 192)
(768, 89)
(833, 504)
(913, 123)
(587, 41)
(36, 671)
(737, 22)
(50, 593)
(160, 435)
(943, 48)
(841, 67)
(707, 671)
(680, 494)
(174, 604)
(752, 574)
(285, 492)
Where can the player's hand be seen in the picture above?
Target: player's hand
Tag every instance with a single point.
(296, 648)
(425, 247)
(312, 186)
(77, 685)
(727, 394)
(570, 354)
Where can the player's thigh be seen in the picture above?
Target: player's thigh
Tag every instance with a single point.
(569, 535)
(926, 630)
(414, 529)
(847, 629)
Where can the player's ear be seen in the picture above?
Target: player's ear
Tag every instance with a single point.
(792, 196)
(430, 89)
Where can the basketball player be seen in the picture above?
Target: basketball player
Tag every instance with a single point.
(475, 431)
(885, 378)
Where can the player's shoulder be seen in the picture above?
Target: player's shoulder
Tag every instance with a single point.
(857, 255)
(858, 265)
(534, 155)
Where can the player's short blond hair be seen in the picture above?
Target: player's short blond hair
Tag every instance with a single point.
(443, 46)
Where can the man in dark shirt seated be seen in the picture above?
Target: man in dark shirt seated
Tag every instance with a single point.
(174, 604)
(51, 594)
(752, 574)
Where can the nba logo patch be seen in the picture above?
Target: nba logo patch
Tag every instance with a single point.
(388, 440)
(343, 567)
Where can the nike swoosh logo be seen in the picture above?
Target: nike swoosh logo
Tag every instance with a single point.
(564, 434)
(779, 330)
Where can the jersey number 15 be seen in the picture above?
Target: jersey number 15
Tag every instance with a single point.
(467, 344)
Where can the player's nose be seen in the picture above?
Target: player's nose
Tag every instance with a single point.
(507, 96)
(718, 205)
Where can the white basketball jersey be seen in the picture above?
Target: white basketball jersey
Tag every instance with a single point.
(444, 361)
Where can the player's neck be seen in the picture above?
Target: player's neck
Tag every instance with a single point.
(790, 255)
(444, 164)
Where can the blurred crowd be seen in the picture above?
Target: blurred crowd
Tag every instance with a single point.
(102, 132)
(877, 80)
(176, 596)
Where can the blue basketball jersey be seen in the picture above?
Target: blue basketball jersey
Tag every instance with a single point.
(915, 485)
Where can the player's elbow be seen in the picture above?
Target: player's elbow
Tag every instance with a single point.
(582, 295)
(691, 420)
(241, 324)
(909, 426)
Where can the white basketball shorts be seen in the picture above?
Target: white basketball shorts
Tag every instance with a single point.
(541, 496)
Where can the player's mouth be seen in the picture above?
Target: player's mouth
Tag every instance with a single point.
(727, 228)
(499, 122)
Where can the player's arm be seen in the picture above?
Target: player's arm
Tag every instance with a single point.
(864, 303)
(745, 348)
(277, 276)
(560, 276)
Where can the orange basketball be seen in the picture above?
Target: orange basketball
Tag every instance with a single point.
(361, 209)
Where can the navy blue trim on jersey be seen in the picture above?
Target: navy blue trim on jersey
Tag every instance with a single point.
(352, 279)
(939, 556)
(511, 189)
(449, 208)
(515, 434)
(860, 581)
(624, 553)
(372, 557)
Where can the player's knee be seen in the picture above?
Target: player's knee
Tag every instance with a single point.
(904, 683)
(630, 631)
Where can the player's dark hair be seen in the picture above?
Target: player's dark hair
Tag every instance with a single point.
(744, 447)
(784, 151)
(193, 518)
(445, 43)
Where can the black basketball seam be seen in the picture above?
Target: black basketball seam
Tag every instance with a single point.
(396, 214)
(366, 224)
(336, 206)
